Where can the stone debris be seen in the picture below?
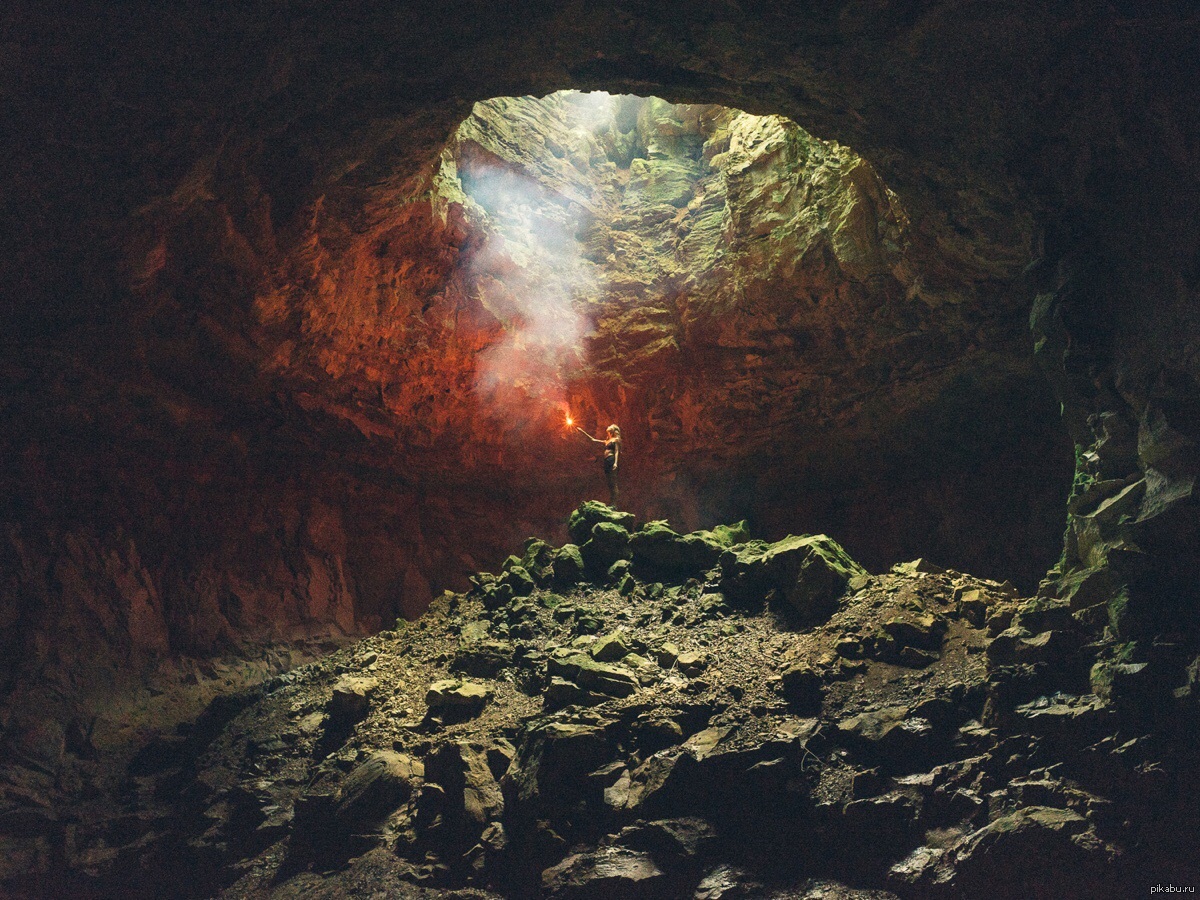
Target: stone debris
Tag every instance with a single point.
(591, 741)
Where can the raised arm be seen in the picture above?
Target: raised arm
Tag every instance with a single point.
(588, 436)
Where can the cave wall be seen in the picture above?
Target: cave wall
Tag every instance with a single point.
(778, 340)
(155, 526)
(173, 177)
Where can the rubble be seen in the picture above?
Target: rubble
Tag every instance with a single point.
(665, 740)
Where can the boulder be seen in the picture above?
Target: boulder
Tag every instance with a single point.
(891, 737)
(711, 606)
(455, 700)
(560, 693)
(474, 632)
(924, 632)
(848, 647)
(727, 535)
(472, 795)
(537, 559)
(351, 700)
(1037, 851)
(668, 655)
(919, 870)
(500, 756)
(519, 580)
(608, 543)
(918, 567)
(567, 566)
(659, 552)
(1002, 649)
(617, 571)
(671, 842)
(495, 595)
(375, 788)
(588, 673)
(692, 662)
(590, 514)
(727, 882)
(802, 686)
(1016, 646)
(609, 873)
(1066, 720)
(1040, 615)
(1087, 588)
(551, 763)
(610, 648)
(656, 730)
(809, 572)
(972, 605)
(671, 777)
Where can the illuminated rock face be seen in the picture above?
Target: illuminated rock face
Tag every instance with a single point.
(753, 305)
(239, 394)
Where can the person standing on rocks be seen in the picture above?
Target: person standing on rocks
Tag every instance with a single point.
(612, 459)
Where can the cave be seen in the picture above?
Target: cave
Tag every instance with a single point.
(311, 585)
(748, 301)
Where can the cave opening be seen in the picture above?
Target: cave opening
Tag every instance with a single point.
(779, 341)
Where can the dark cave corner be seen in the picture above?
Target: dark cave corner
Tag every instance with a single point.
(908, 555)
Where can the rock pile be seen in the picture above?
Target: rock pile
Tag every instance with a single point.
(758, 720)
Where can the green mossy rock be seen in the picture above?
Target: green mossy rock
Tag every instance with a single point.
(810, 572)
(659, 552)
(610, 648)
(617, 571)
(609, 543)
(567, 567)
(519, 580)
(727, 535)
(496, 595)
(590, 514)
(537, 559)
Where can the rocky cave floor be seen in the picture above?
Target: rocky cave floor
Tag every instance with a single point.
(642, 714)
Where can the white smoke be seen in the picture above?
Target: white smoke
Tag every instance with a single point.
(528, 269)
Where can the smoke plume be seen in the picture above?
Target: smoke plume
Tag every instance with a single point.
(527, 267)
